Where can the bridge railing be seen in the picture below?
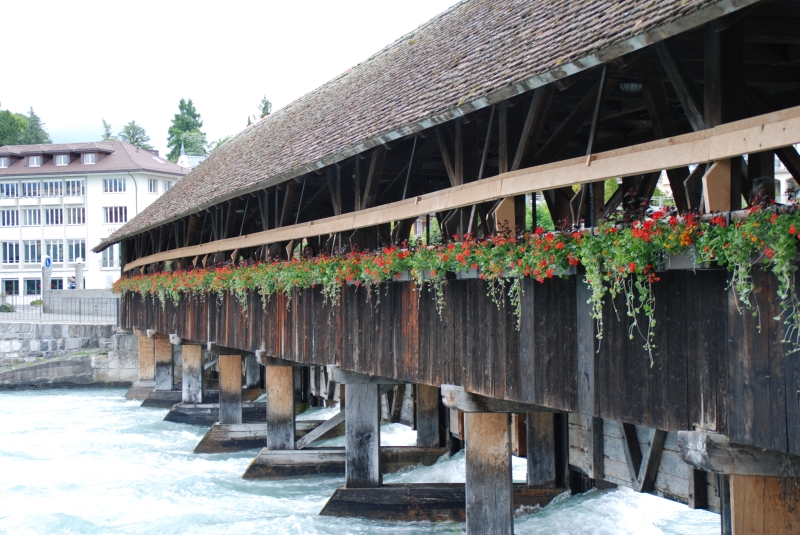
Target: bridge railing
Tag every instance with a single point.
(59, 309)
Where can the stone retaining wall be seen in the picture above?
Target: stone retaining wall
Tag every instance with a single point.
(25, 342)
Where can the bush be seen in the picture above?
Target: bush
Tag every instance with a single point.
(7, 307)
(36, 303)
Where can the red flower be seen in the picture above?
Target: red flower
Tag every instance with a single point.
(793, 230)
(769, 252)
(632, 267)
(560, 245)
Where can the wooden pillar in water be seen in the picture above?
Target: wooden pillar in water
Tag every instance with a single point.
(163, 360)
(761, 504)
(489, 493)
(280, 408)
(363, 436)
(427, 416)
(252, 371)
(147, 365)
(192, 374)
(541, 443)
(230, 389)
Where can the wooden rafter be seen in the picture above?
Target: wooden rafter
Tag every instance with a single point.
(688, 94)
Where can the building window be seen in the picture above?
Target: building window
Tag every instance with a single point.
(9, 190)
(152, 185)
(31, 189)
(55, 250)
(56, 284)
(4, 162)
(32, 251)
(11, 286)
(115, 214)
(53, 216)
(34, 161)
(33, 286)
(31, 218)
(76, 216)
(62, 159)
(167, 185)
(10, 252)
(113, 185)
(90, 158)
(76, 249)
(111, 257)
(10, 218)
(74, 188)
(51, 189)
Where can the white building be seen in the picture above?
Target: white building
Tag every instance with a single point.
(63, 199)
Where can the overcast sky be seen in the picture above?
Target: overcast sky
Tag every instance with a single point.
(78, 62)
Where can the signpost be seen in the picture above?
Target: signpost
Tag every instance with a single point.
(47, 270)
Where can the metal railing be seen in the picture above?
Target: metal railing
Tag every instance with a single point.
(48, 309)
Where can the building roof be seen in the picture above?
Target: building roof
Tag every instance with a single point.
(114, 156)
(475, 54)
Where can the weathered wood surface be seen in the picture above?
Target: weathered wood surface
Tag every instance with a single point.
(673, 479)
(230, 389)
(427, 416)
(164, 365)
(432, 502)
(765, 505)
(162, 399)
(324, 429)
(714, 453)
(280, 407)
(226, 438)
(207, 414)
(192, 382)
(541, 446)
(272, 464)
(147, 363)
(363, 436)
(712, 369)
(489, 497)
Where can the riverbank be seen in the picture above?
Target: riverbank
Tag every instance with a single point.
(116, 468)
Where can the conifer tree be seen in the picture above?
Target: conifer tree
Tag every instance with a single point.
(186, 120)
(34, 131)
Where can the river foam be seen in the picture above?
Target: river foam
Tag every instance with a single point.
(90, 462)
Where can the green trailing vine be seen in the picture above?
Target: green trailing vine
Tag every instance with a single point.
(618, 259)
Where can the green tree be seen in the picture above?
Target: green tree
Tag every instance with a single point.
(135, 135)
(34, 131)
(265, 106)
(12, 125)
(194, 143)
(217, 143)
(186, 120)
(107, 135)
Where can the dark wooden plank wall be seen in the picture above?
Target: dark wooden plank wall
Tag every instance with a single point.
(712, 368)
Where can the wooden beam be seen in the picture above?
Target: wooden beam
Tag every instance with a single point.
(192, 382)
(164, 365)
(642, 467)
(687, 92)
(280, 408)
(489, 492)
(541, 455)
(534, 124)
(147, 361)
(230, 389)
(320, 430)
(764, 505)
(595, 453)
(427, 416)
(363, 436)
(714, 452)
(455, 397)
(335, 188)
(347, 377)
(787, 155)
(217, 350)
(717, 187)
(765, 132)
(448, 163)
(373, 177)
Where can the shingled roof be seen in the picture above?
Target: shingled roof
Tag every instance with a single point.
(474, 54)
(116, 156)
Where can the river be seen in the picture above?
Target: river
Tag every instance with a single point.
(91, 462)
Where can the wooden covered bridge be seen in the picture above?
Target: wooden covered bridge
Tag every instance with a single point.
(456, 129)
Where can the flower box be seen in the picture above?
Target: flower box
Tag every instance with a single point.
(472, 273)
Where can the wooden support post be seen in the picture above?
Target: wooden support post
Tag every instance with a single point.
(252, 371)
(717, 187)
(280, 408)
(363, 436)
(489, 493)
(230, 389)
(147, 362)
(541, 450)
(427, 416)
(762, 504)
(192, 374)
(164, 367)
(594, 437)
(724, 489)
